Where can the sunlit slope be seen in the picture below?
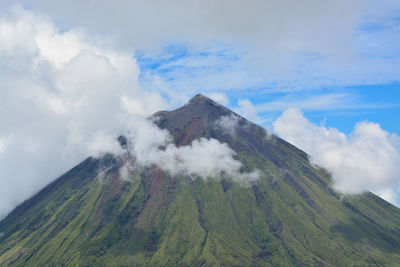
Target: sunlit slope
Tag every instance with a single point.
(289, 217)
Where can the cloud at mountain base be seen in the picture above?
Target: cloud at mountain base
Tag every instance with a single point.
(366, 159)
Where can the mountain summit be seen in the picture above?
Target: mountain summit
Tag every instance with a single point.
(289, 216)
(199, 112)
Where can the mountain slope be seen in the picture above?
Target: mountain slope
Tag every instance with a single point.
(289, 217)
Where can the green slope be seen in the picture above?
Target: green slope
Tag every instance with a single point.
(289, 217)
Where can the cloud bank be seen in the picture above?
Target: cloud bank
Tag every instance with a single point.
(368, 159)
(268, 25)
(63, 97)
(66, 95)
(287, 45)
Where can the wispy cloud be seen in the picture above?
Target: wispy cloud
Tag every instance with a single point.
(186, 71)
(328, 101)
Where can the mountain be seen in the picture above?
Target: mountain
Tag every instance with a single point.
(290, 216)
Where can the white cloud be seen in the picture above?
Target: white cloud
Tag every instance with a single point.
(203, 157)
(247, 110)
(228, 123)
(282, 25)
(219, 97)
(152, 103)
(62, 100)
(292, 45)
(366, 159)
(3, 144)
(315, 102)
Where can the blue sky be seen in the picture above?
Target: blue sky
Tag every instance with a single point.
(356, 79)
(339, 104)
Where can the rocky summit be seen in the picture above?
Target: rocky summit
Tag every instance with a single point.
(288, 216)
